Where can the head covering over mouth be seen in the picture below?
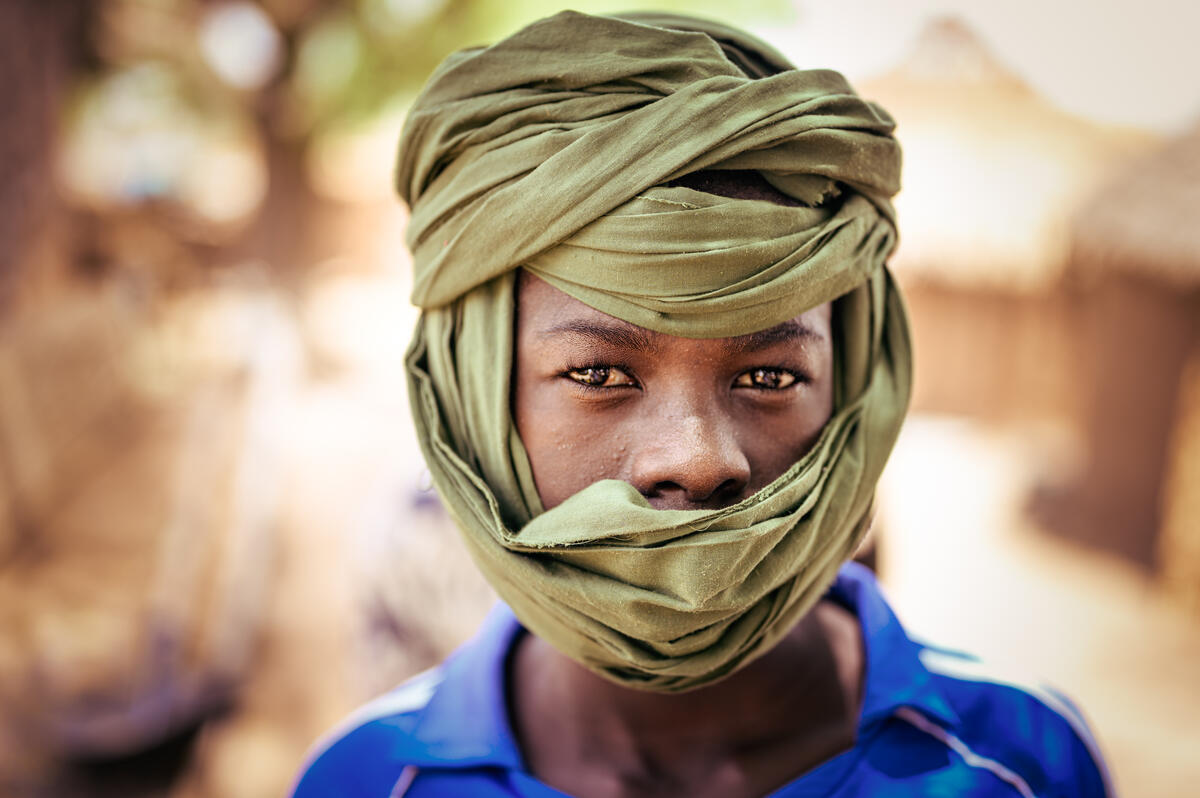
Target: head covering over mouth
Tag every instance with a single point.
(555, 151)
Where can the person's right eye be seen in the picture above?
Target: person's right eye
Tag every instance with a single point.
(601, 377)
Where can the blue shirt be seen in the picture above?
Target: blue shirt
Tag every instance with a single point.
(933, 723)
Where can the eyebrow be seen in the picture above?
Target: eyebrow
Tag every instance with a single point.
(630, 336)
(790, 330)
(615, 333)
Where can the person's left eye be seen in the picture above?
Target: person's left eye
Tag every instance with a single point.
(768, 379)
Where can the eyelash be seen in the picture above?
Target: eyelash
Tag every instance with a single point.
(607, 367)
(798, 378)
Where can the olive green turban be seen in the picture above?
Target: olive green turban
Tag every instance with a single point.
(549, 151)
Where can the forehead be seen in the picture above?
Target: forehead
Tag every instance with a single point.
(545, 312)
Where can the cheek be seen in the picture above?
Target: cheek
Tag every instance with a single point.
(772, 446)
(568, 449)
(775, 441)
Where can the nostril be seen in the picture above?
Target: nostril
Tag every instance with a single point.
(665, 489)
(730, 489)
(667, 495)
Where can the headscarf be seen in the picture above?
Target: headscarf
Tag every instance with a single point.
(548, 151)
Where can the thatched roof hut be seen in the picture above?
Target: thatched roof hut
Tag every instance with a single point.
(1136, 250)
(1043, 257)
(992, 170)
(992, 174)
(1146, 220)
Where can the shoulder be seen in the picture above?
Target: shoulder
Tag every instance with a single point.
(365, 754)
(981, 717)
(1011, 722)
(443, 732)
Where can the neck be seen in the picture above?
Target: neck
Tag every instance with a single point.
(804, 694)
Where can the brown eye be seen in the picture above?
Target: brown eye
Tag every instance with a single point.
(600, 377)
(765, 379)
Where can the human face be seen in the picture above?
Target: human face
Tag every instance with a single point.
(691, 423)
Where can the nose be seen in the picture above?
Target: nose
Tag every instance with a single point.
(690, 460)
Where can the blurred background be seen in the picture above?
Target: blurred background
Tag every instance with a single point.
(216, 533)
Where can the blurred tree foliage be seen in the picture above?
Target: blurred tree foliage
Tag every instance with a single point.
(253, 87)
(399, 42)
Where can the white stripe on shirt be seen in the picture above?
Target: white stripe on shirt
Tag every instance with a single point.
(959, 747)
(973, 670)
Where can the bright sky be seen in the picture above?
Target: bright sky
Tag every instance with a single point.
(1119, 61)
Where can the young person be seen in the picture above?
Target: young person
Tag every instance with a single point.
(659, 369)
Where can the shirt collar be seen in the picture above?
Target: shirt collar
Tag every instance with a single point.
(466, 722)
